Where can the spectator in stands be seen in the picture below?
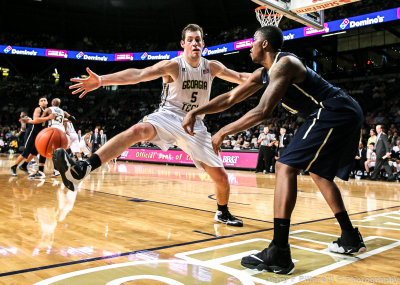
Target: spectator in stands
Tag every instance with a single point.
(372, 138)
(395, 157)
(382, 155)
(371, 159)
(255, 145)
(359, 161)
(246, 145)
(227, 145)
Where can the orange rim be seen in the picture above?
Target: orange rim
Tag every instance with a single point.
(259, 12)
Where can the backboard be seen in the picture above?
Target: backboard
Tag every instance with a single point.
(313, 19)
(307, 12)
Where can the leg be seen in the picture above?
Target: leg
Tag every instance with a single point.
(220, 178)
(122, 141)
(277, 257)
(378, 166)
(285, 190)
(113, 148)
(331, 193)
(350, 240)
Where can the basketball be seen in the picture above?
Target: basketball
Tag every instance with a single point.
(48, 140)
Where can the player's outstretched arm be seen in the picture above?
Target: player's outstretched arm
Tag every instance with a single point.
(221, 71)
(125, 77)
(224, 101)
(281, 77)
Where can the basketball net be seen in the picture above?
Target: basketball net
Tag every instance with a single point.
(268, 17)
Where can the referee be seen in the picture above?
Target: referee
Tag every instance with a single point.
(266, 142)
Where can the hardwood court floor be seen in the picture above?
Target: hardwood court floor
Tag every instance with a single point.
(133, 223)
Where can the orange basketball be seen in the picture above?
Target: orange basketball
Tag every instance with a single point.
(48, 140)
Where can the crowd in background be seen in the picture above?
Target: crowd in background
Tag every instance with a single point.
(114, 45)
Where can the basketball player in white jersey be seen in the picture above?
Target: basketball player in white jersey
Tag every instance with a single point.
(56, 122)
(85, 145)
(187, 83)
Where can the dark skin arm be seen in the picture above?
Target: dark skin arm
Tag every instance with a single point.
(285, 72)
(225, 101)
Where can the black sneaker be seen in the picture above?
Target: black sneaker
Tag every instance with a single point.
(13, 170)
(227, 218)
(348, 243)
(72, 172)
(38, 175)
(23, 168)
(273, 259)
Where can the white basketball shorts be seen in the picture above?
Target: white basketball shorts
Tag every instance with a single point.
(84, 147)
(74, 142)
(170, 132)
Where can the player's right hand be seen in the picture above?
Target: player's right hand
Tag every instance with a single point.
(188, 123)
(86, 85)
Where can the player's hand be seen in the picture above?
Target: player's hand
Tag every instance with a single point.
(87, 84)
(216, 141)
(188, 123)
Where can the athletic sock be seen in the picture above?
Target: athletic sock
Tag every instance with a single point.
(25, 164)
(222, 208)
(14, 166)
(94, 161)
(41, 168)
(344, 221)
(281, 232)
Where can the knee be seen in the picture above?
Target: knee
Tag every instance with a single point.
(283, 169)
(140, 132)
(222, 179)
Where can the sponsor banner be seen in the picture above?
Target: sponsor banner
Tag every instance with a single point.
(21, 50)
(89, 56)
(247, 43)
(218, 49)
(308, 31)
(329, 27)
(230, 159)
(162, 55)
(56, 53)
(309, 6)
(160, 171)
(123, 56)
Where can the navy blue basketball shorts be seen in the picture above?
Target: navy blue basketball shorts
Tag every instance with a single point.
(327, 142)
(30, 147)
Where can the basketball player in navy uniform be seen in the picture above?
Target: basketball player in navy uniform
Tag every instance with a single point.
(39, 122)
(325, 144)
(187, 83)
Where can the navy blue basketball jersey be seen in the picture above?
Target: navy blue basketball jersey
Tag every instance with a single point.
(302, 98)
(38, 127)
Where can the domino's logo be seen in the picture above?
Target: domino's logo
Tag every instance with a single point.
(205, 52)
(344, 24)
(79, 55)
(8, 49)
(144, 56)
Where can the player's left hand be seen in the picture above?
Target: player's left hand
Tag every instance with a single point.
(216, 141)
(188, 123)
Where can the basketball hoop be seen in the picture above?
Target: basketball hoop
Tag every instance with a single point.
(268, 17)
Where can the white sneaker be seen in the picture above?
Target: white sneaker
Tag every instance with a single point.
(55, 173)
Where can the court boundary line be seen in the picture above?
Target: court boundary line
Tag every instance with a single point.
(15, 272)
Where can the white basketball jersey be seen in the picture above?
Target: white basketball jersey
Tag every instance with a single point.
(70, 128)
(58, 121)
(191, 89)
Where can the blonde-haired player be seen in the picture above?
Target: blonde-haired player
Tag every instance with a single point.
(187, 83)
